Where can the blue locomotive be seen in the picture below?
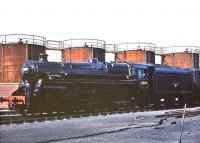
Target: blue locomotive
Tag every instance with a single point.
(96, 86)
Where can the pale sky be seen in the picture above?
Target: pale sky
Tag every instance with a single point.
(163, 22)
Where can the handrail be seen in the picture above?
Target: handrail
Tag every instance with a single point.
(54, 45)
(136, 46)
(111, 48)
(95, 43)
(180, 49)
(159, 50)
(15, 38)
(84, 42)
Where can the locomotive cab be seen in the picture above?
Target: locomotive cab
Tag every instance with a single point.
(144, 74)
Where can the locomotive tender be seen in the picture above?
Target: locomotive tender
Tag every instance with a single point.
(87, 86)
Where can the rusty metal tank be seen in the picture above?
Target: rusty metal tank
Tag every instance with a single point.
(182, 56)
(136, 52)
(14, 50)
(80, 50)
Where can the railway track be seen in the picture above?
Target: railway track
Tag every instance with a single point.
(29, 118)
(179, 113)
(11, 117)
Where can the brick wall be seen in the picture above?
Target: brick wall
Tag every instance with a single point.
(6, 89)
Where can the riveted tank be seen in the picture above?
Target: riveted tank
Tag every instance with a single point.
(135, 52)
(80, 50)
(181, 56)
(14, 50)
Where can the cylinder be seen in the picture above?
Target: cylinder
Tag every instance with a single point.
(80, 50)
(182, 56)
(135, 52)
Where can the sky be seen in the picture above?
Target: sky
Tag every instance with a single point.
(163, 22)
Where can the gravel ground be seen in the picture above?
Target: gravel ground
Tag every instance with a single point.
(118, 128)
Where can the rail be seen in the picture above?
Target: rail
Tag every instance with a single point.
(136, 46)
(159, 50)
(180, 49)
(84, 42)
(15, 38)
(54, 45)
(110, 48)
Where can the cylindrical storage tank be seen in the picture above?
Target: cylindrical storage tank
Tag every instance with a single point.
(182, 56)
(80, 50)
(136, 52)
(12, 57)
(14, 50)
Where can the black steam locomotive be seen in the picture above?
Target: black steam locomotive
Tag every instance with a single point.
(87, 86)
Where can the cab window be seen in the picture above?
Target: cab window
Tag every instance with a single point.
(142, 73)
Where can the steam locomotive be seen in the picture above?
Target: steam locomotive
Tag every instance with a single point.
(87, 86)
